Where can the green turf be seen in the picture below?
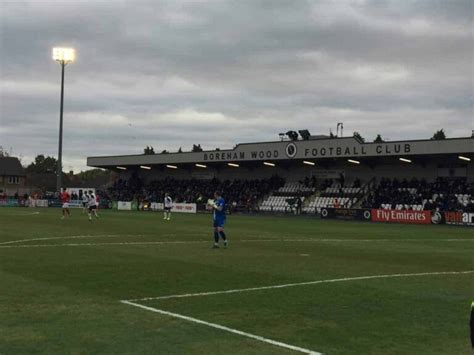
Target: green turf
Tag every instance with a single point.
(65, 298)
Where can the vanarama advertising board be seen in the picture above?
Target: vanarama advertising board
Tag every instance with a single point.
(401, 216)
(459, 218)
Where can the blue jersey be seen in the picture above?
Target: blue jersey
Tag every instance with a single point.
(219, 214)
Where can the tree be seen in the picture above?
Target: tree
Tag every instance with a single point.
(164, 151)
(43, 165)
(378, 139)
(149, 150)
(41, 173)
(92, 178)
(197, 148)
(359, 137)
(180, 150)
(439, 135)
(3, 153)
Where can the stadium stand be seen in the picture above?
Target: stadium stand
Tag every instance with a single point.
(309, 196)
(335, 196)
(305, 175)
(240, 193)
(443, 194)
(289, 197)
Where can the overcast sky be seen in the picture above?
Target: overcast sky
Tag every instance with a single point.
(172, 73)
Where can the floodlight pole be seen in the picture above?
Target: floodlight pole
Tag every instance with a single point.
(63, 56)
(60, 146)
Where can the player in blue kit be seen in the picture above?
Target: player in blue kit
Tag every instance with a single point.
(219, 218)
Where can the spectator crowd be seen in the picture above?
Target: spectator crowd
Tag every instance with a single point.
(442, 194)
(239, 193)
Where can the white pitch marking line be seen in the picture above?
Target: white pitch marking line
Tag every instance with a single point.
(21, 214)
(344, 279)
(257, 337)
(221, 327)
(80, 237)
(48, 238)
(5, 245)
(363, 240)
(98, 244)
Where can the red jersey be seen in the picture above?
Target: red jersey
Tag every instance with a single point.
(65, 197)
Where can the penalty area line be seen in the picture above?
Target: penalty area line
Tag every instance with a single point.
(224, 328)
(316, 282)
(134, 303)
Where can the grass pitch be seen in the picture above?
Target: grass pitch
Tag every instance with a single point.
(61, 286)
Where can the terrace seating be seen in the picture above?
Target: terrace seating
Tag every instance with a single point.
(329, 202)
(341, 191)
(276, 204)
(277, 201)
(335, 196)
(294, 188)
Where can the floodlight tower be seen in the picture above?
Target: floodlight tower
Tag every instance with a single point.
(63, 56)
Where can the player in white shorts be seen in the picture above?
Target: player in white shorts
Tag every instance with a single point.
(168, 205)
(85, 202)
(92, 203)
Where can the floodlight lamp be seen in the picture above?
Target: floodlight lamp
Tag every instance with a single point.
(64, 55)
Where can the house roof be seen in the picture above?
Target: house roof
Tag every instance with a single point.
(11, 166)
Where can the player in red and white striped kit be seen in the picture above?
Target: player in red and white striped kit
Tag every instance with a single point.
(65, 198)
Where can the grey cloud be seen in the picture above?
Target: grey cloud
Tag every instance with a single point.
(146, 69)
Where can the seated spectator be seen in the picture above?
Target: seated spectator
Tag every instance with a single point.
(245, 193)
